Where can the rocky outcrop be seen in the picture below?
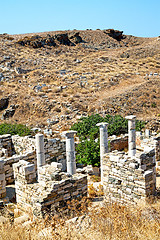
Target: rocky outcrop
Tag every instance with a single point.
(116, 34)
(58, 39)
(63, 39)
(75, 38)
(8, 112)
(4, 103)
(37, 41)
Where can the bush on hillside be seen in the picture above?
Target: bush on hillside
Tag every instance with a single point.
(88, 151)
(14, 129)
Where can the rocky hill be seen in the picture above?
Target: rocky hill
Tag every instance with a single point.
(53, 78)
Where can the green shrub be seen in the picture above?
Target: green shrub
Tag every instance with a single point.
(88, 151)
(14, 129)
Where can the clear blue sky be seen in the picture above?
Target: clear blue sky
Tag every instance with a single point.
(136, 17)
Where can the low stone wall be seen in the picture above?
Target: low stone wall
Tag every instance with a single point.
(157, 151)
(6, 144)
(8, 164)
(53, 191)
(145, 143)
(129, 180)
(25, 149)
(23, 144)
(118, 143)
(55, 149)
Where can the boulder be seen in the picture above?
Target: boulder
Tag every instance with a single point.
(8, 112)
(4, 103)
(116, 34)
(75, 38)
(63, 39)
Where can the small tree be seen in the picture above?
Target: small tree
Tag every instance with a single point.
(88, 150)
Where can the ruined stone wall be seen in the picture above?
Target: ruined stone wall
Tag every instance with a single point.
(55, 149)
(23, 144)
(118, 143)
(157, 151)
(25, 149)
(150, 142)
(8, 164)
(6, 146)
(53, 191)
(126, 179)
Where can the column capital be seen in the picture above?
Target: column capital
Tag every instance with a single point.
(39, 135)
(102, 124)
(131, 117)
(69, 134)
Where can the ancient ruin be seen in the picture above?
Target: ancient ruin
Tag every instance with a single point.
(45, 175)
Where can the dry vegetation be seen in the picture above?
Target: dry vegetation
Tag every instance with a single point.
(110, 221)
(100, 74)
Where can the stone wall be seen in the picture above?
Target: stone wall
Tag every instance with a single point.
(25, 149)
(55, 149)
(145, 143)
(52, 191)
(118, 143)
(23, 144)
(129, 179)
(8, 164)
(6, 146)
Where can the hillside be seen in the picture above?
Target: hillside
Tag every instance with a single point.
(55, 77)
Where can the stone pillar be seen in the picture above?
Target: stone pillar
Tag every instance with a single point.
(40, 150)
(132, 135)
(157, 157)
(147, 133)
(70, 152)
(103, 143)
(2, 180)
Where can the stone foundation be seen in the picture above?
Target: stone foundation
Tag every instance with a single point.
(52, 191)
(129, 179)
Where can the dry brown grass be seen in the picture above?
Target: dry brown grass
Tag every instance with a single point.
(45, 64)
(111, 221)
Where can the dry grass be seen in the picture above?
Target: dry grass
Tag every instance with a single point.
(103, 72)
(112, 221)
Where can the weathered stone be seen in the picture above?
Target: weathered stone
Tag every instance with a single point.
(70, 152)
(103, 143)
(4, 103)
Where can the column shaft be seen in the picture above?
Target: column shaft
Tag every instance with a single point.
(70, 152)
(131, 135)
(103, 144)
(40, 151)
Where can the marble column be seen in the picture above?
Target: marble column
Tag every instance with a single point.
(40, 150)
(70, 152)
(131, 135)
(2, 180)
(103, 143)
(147, 133)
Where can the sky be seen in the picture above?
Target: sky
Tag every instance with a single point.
(134, 17)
